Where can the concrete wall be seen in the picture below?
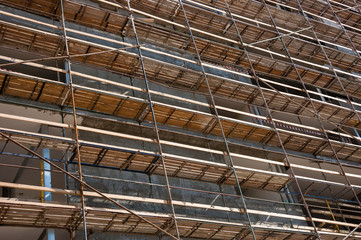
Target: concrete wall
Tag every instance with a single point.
(116, 186)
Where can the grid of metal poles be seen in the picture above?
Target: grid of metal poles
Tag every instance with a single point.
(183, 118)
(174, 219)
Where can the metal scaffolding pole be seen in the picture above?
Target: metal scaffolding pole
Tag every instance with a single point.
(150, 104)
(350, 234)
(71, 89)
(274, 125)
(218, 119)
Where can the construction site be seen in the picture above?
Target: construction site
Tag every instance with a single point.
(180, 119)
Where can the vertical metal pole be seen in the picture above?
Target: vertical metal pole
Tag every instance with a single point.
(218, 119)
(66, 158)
(70, 82)
(273, 124)
(140, 56)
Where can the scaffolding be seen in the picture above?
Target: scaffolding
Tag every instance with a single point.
(217, 119)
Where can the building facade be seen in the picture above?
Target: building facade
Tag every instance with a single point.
(180, 119)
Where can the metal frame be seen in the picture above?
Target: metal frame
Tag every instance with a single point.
(174, 219)
(197, 64)
(69, 81)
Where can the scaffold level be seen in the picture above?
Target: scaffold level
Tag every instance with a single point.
(182, 119)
